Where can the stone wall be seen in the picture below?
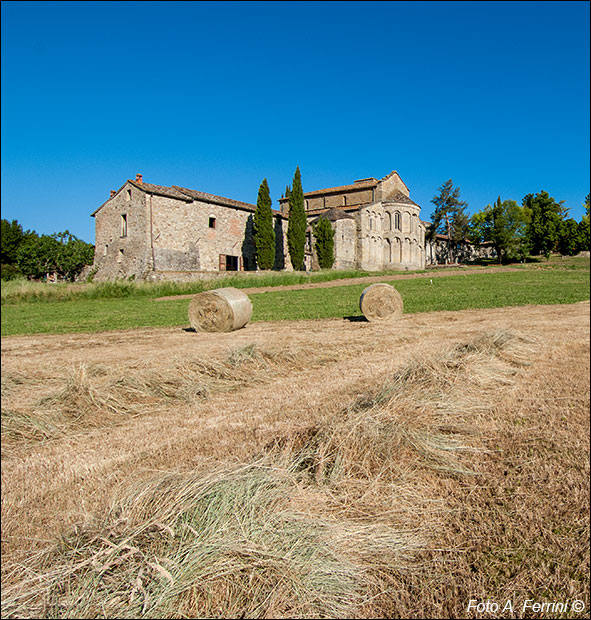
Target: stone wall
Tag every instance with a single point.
(390, 236)
(345, 244)
(389, 185)
(121, 231)
(201, 236)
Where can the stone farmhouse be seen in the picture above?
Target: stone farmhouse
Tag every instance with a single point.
(149, 231)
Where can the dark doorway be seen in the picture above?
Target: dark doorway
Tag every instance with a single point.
(231, 263)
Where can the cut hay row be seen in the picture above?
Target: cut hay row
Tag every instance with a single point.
(318, 525)
(224, 544)
(93, 396)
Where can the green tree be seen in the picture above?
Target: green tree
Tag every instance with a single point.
(296, 225)
(264, 232)
(12, 237)
(449, 217)
(544, 216)
(37, 256)
(73, 255)
(568, 237)
(324, 244)
(502, 224)
(61, 252)
(479, 226)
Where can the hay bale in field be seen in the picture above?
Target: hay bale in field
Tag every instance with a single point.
(220, 310)
(381, 302)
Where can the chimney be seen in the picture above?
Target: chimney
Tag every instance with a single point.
(138, 178)
(113, 192)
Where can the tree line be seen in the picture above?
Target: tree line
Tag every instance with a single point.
(27, 254)
(539, 226)
(297, 224)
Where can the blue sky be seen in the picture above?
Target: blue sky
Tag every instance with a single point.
(217, 96)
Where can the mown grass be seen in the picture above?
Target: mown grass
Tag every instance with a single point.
(453, 292)
(459, 292)
(249, 540)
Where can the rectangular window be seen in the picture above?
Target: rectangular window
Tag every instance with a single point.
(120, 256)
(212, 222)
(124, 225)
(231, 263)
(106, 250)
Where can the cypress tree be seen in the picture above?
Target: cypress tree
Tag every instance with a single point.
(264, 233)
(324, 245)
(296, 225)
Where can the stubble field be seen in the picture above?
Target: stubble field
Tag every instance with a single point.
(329, 468)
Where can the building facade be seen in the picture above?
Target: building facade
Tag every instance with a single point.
(149, 231)
(376, 224)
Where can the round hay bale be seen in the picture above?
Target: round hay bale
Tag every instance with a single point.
(220, 310)
(381, 302)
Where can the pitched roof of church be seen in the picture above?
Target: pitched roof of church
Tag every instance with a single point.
(398, 196)
(334, 214)
(362, 184)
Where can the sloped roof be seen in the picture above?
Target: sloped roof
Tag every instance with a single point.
(364, 184)
(227, 202)
(182, 193)
(399, 197)
(160, 190)
(332, 215)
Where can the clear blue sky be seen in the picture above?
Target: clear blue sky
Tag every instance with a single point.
(216, 96)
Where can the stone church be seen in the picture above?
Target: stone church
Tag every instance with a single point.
(148, 231)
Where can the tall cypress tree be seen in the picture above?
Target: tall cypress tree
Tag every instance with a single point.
(324, 235)
(264, 233)
(296, 225)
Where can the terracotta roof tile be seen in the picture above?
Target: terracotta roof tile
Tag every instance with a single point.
(398, 196)
(228, 202)
(368, 184)
(161, 190)
(333, 214)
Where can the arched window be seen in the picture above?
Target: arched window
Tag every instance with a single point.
(387, 252)
(397, 220)
(388, 220)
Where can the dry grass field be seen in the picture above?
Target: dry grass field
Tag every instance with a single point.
(329, 468)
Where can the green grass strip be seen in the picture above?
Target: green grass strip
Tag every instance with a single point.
(454, 292)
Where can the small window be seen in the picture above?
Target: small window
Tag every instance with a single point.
(345, 200)
(105, 250)
(231, 263)
(120, 256)
(124, 225)
(128, 195)
(212, 222)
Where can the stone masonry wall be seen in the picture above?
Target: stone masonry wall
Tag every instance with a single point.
(192, 236)
(120, 253)
(389, 185)
(387, 241)
(345, 243)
